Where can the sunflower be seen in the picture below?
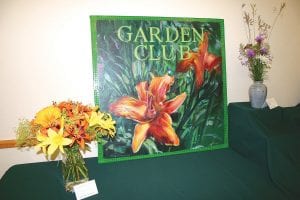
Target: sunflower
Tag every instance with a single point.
(48, 117)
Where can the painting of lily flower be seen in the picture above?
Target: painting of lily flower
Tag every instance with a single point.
(163, 81)
(199, 61)
(151, 111)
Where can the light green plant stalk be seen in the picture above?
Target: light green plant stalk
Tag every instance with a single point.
(258, 69)
(73, 167)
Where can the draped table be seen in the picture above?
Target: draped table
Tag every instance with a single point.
(257, 166)
(270, 138)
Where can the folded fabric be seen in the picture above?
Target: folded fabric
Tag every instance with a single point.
(270, 138)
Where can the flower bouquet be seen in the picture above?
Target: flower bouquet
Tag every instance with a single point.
(66, 127)
(256, 57)
(255, 54)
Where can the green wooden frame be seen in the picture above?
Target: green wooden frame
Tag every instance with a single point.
(129, 50)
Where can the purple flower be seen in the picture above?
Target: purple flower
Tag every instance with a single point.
(264, 51)
(259, 38)
(250, 53)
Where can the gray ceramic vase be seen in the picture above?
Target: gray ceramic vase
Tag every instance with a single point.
(258, 94)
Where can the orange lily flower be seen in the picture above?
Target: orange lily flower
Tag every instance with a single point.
(151, 110)
(200, 61)
(77, 131)
(78, 134)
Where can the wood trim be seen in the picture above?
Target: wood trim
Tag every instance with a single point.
(7, 144)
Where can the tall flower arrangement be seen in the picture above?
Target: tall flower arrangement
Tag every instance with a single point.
(66, 127)
(255, 54)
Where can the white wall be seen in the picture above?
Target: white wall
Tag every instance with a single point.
(45, 53)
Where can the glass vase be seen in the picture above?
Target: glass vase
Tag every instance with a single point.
(74, 170)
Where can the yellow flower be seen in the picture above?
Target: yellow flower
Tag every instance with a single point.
(44, 142)
(104, 121)
(56, 140)
(47, 116)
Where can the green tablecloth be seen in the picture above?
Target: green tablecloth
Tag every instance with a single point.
(217, 175)
(270, 138)
(263, 165)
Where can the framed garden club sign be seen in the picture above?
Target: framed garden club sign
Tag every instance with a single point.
(163, 80)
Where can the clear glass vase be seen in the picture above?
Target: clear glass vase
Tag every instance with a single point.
(74, 170)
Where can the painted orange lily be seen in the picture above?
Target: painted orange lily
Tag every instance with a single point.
(151, 111)
(200, 61)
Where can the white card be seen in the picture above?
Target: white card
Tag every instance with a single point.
(85, 189)
(272, 103)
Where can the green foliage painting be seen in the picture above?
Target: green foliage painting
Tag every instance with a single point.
(163, 81)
